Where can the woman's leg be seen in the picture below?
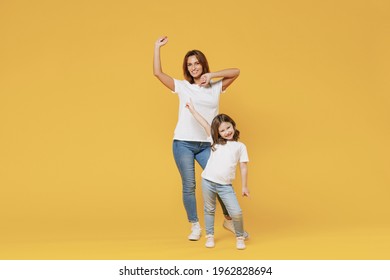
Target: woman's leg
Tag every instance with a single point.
(202, 157)
(209, 200)
(184, 158)
(228, 196)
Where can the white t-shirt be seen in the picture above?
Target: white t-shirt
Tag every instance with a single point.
(206, 102)
(222, 164)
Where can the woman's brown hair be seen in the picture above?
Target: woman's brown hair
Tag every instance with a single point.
(202, 60)
(214, 130)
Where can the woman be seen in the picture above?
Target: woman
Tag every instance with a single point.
(190, 140)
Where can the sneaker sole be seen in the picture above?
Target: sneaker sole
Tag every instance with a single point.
(194, 239)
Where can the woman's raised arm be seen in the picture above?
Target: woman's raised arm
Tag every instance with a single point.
(157, 69)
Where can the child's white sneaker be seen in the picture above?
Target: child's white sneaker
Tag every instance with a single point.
(229, 225)
(240, 243)
(210, 241)
(196, 232)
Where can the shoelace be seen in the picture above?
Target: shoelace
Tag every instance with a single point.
(241, 238)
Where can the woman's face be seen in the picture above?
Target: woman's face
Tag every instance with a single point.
(194, 67)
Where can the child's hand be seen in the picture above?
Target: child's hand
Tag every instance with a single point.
(190, 106)
(245, 191)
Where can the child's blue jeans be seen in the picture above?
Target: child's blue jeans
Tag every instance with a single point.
(210, 191)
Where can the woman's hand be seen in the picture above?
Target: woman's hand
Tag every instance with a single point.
(205, 79)
(161, 41)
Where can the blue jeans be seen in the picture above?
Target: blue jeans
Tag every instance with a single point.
(228, 196)
(185, 154)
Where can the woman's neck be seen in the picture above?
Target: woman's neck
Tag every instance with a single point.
(197, 81)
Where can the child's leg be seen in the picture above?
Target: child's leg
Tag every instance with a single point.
(202, 157)
(224, 210)
(209, 200)
(228, 196)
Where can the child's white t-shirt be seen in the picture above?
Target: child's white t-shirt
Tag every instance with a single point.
(206, 102)
(222, 164)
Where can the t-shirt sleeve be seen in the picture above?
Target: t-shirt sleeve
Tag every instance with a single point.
(178, 85)
(217, 86)
(243, 154)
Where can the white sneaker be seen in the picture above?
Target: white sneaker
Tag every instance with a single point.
(196, 232)
(210, 241)
(240, 244)
(229, 225)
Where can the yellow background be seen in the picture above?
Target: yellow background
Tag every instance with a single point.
(86, 167)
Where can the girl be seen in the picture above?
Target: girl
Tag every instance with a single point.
(190, 140)
(220, 171)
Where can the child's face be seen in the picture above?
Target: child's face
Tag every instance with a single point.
(226, 130)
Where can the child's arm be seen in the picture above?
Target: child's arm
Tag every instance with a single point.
(244, 178)
(199, 118)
